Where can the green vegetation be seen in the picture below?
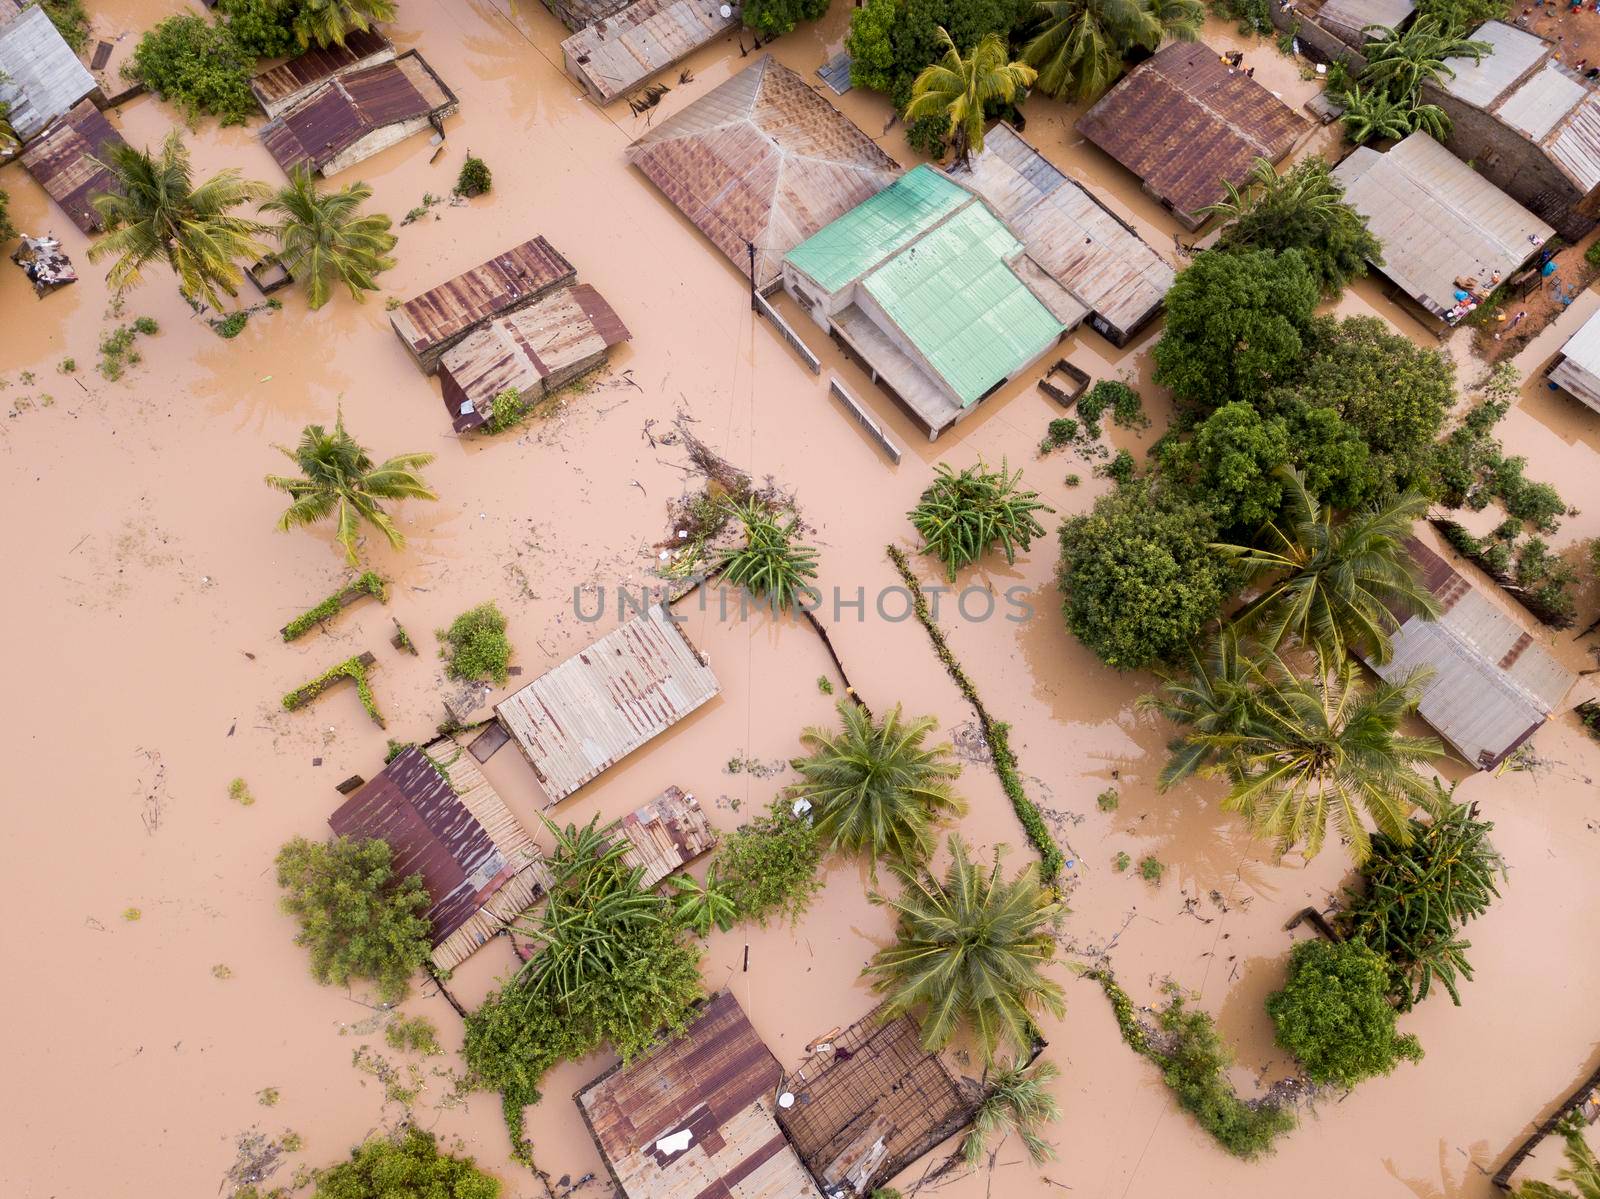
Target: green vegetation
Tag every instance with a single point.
(1016, 1098)
(1463, 16)
(1123, 402)
(70, 20)
(358, 919)
(407, 1165)
(1107, 800)
(231, 325)
(771, 564)
(1121, 862)
(957, 89)
(1194, 1064)
(506, 411)
(351, 668)
(474, 179)
(239, 792)
(131, 914)
(1151, 869)
(772, 18)
(7, 229)
(116, 347)
(769, 866)
(1398, 64)
(267, 1097)
(970, 952)
(1083, 45)
(1120, 470)
(329, 22)
(1060, 432)
(324, 239)
(368, 582)
(412, 1034)
(221, 972)
(1253, 16)
(197, 65)
(876, 787)
(824, 684)
(475, 645)
(1335, 1017)
(339, 479)
(963, 514)
(261, 28)
(1582, 1169)
(700, 907)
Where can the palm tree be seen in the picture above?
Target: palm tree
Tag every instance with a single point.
(875, 786)
(700, 907)
(337, 478)
(970, 952)
(1304, 190)
(1081, 49)
(1215, 694)
(1336, 584)
(1325, 746)
(960, 88)
(1373, 114)
(324, 239)
(1582, 1170)
(771, 564)
(156, 213)
(1016, 1098)
(1401, 63)
(329, 22)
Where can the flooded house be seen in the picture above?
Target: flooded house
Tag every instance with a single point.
(444, 821)
(429, 324)
(694, 1116)
(1449, 237)
(1576, 369)
(1331, 28)
(351, 117)
(1491, 686)
(533, 351)
(41, 79)
(1528, 123)
(280, 88)
(591, 711)
(1183, 121)
(762, 160)
(65, 160)
(665, 834)
(622, 50)
(928, 288)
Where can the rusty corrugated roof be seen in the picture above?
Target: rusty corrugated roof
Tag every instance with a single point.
(1182, 123)
(601, 704)
(666, 834)
(619, 52)
(274, 88)
(63, 160)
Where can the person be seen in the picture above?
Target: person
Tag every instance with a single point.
(1250, 74)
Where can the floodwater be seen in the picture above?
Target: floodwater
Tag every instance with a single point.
(148, 584)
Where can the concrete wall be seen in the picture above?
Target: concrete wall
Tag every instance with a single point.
(806, 292)
(1324, 43)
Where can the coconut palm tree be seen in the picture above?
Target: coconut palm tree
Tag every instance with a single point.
(771, 564)
(1374, 114)
(324, 239)
(970, 952)
(1323, 747)
(958, 88)
(1335, 584)
(1305, 190)
(337, 478)
(1582, 1170)
(1214, 693)
(1080, 52)
(875, 786)
(155, 213)
(1016, 1098)
(329, 22)
(1401, 63)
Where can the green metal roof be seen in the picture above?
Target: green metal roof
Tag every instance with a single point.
(959, 302)
(877, 227)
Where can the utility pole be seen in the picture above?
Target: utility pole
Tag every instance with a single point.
(754, 307)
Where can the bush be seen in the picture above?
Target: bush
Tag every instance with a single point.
(962, 515)
(1108, 800)
(771, 18)
(71, 22)
(1334, 1014)
(508, 408)
(771, 564)
(1151, 869)
(196, 65)
(412, 1034)
(356, 917)
(1127, 409)
(7, 229)
(1120, 469)
(476, 645)
(1058, 433)
(769, 867)
(261, 28)
(475, 178)
(408, 1166)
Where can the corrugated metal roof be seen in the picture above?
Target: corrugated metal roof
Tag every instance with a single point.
(1108, 267)
(283, 85)
(1578, 371)
(717, 1084)
(1356, 15)
(601, 704)
(763, 159)
(665, 835)
(442, 315)
(1513, 53)
(1437, 219)
(43, 77)
(63, 160)
(1538, 105)
(580, 14)
(553, 338)
(619, 52)
(879, 226)
(1575, 145)
(1182, 123)
(1492, 684)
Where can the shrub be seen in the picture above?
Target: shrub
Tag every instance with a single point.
(1127, 410)
(769, 867)
(239, 792)
(196, 65)
(356, 917)
(1334, 1014)
(261, 28)
(1121, 862)
(476, 645)
(1058, 433)
(7, 229)
(774, 17)
(1151, 869)
(701, 907)
(507, 409)
(962, 515)
(412, 1034)
(771, 564)
(232, 325)
(1119, 470)
(407, 1166)
(475, 178)
(1107, 800)
(71, 22)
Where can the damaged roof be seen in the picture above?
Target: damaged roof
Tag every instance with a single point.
(618, 52)
(66, 161)
(281, 86)
(42, 78)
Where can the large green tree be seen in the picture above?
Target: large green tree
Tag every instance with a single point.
(156, 213)
(324, 238)
(407, 1165)
(970, 952)
(876, 786)
(1082, 45)
(958, 87)
(771, 18)
(339, 479)
(1236, 325)
(1230, 463)
(1334, 1014)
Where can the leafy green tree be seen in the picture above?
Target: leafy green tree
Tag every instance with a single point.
(357, 917)
(774, 17)
(1016, 1098)
(1138, 575)
(701, 906)
(876, 786)
(1300, 209)
(324, 239)
(1236, 324)
(1582, 1170)
(1374, 115)
(970, 952)
(338, 479)
(771, 564)
(328, 22)
(1334, 1014)
(157, 214)
(197, 65)
(1335, 584)
(957, 88)
(1082, 46)
(891, 41)
(963, 514)
(770, 865)
(405, 1166)
(261, 28)
(1230, 463)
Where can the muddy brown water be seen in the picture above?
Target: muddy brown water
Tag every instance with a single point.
(147, 586)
